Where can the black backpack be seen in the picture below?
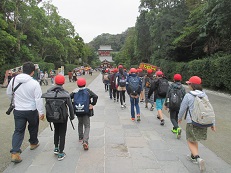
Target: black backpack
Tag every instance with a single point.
(122, 80)
(162, 87)
(175, 98)
(56, 110)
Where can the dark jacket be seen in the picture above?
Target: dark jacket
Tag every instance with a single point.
(59, 92)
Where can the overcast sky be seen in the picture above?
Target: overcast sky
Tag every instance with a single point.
(94, 17)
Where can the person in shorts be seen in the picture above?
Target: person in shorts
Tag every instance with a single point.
(193, 133)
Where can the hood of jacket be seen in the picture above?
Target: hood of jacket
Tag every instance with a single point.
(133, 74)
(23, 78)
(198, 93)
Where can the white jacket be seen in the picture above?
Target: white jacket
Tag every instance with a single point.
(28, 95)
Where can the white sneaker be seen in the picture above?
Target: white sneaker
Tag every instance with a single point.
(122, 106)
(201, 164)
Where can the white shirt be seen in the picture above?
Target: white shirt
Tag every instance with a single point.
(28, 95)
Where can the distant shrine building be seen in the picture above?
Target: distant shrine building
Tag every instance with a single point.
(105, 57)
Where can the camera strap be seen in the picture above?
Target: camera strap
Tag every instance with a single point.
(13, 90)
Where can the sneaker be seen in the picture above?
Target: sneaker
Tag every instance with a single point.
(114, 100)
(178, 134)
(56, 151)
(138, 118)
(174, 130)
(80, 139)
(15, 157)
(142, 101)
(201, 164)
(152, 108)
(122, 106)
(191, 158)
(162, 122)
(33, 146)
(157, 117)
(117, 100)
(133, 119)
(125, 105)
(85, 145)
(146, 106)
(61, 156)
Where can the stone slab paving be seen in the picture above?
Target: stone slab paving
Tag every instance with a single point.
(117, 145)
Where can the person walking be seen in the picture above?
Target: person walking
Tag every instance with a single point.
(55, 95)
(160, 87)
(193, 133)
(114, 92)
(141, 76)
(121, 79)
(84, 99)
(52, 75)
(147, 81)
(134, 88)
(173, 101)
(28, 109)
(70, 75)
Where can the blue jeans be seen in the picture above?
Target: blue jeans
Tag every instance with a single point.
(20, 119)
(134, 103)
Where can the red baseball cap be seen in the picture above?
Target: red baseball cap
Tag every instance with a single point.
(120, 66)
(59, 79)
(177, 77)
(133, 70)
(194, 80)
(149, 71)
(81, 82)
(159, 73)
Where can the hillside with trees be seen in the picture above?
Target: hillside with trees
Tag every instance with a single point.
(34, 31)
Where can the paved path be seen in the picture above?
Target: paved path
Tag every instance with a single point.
(117, 145)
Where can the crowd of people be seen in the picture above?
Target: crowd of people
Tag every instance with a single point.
(150, 87)
(154, 88)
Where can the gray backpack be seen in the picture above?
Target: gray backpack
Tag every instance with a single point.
(203, 114)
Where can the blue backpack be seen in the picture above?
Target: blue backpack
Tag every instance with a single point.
(134, 85)
(81, 102)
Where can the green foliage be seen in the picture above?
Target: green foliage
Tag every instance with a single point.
(44, 66)
(69, 67)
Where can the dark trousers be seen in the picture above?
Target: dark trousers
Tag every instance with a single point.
(106, 86)
(20, 119)
(60, 135)
(174, 118)
(115, 94)
(122, 97)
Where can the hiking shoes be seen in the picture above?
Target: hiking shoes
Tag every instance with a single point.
(162, 122)
(85, 145)
(138, 118)
(61, 156)
(33, 146)
(15, 157)
(56, 151)
(178, 133)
